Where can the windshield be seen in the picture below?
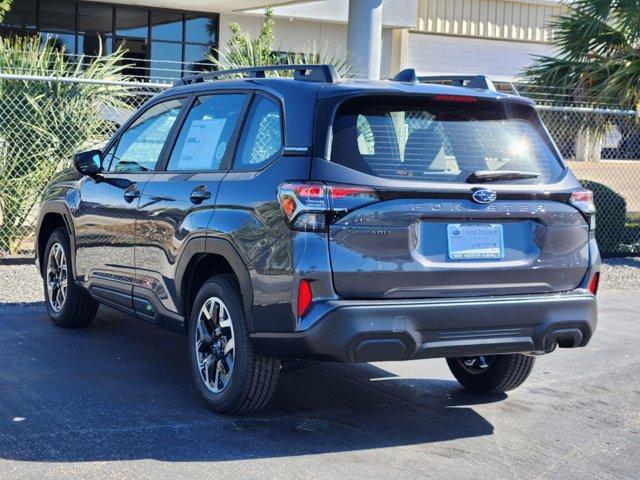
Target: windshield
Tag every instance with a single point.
(442, 141)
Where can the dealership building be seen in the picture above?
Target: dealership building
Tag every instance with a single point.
(169, 38)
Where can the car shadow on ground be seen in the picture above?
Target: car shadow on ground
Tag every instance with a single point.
(121, 390)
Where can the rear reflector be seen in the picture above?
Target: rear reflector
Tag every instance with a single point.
(304, 297)
(593, 284)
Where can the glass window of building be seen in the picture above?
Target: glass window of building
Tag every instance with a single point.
(132, 22)
(166, 26)
(165, 60)
(61, 41)
(21, 15)
(200, 29)
(95, 29)
(162, 45)
(58, 16)
(195, 57)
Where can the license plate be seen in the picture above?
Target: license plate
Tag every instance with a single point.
(472, 241)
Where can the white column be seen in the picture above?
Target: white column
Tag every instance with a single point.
(399, 50)
(364, 37)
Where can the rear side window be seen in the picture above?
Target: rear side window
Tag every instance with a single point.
(206, 134)
(261, 138)
(427, 140)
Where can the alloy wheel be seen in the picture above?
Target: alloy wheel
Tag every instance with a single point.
(215, 345)
(57, 277)
(476, 365)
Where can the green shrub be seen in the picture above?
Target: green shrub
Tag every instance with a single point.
(42, 123)
(611, 216)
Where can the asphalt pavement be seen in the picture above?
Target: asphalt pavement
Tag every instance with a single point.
(116, 401)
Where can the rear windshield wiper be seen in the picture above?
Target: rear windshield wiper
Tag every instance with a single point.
(481, 176)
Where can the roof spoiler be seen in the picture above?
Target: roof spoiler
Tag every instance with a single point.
(303, 72)
(469, 81)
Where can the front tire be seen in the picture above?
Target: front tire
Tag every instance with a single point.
(230, 376)
(68, 306)
(491, 373)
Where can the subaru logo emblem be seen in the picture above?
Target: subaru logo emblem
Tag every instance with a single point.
(484, 195)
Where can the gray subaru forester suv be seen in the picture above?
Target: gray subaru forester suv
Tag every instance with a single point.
(273, 219)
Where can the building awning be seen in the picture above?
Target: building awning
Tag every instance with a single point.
(217, 6)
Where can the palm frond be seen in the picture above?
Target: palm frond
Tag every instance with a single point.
(5, 6)
(598, 45)
(43, 123)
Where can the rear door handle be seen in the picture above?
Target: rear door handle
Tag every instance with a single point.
(131, 193)
(200, 194)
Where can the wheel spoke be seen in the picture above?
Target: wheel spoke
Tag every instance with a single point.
(229, 361)
(216, 381)
(229, 346)
(224, 377)
(206, 372)
(59, 297)
(209, 318)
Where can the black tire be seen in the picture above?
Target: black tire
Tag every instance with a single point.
(78, 309)
(504, 372)
(252, 379)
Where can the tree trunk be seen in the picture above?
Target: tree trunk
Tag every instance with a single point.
(588, 146)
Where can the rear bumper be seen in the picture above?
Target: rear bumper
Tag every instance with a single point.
(365, 331)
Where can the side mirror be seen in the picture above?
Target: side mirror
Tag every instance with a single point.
(88, 163)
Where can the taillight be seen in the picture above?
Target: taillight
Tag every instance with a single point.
(304, 297)
(594, 283)
(311, 206)
(583, 201)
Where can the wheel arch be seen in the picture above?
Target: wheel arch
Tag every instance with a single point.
(203, 257)
(53, 216)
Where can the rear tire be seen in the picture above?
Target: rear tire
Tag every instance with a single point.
(231, 379)
(68, 306)
(491, 373)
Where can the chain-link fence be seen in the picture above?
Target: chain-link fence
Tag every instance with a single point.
(602, 147)
(43, 121)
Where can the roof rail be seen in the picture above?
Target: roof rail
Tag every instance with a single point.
(469, 81)
(303, 72)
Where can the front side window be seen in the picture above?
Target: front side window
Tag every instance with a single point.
(206, 135)
(261, 139)
(138, 148)
(428, 140)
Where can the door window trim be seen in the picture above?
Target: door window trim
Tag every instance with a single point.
(115, 140)
(225, 163)
(245, 120)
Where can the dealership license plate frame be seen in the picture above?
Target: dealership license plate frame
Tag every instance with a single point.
(475, 241)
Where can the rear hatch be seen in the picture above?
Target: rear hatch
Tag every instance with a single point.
(470, 199)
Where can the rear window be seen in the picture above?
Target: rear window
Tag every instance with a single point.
(441, 141)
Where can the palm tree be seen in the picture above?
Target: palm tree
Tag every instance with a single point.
(598, 45)
(597, 61)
